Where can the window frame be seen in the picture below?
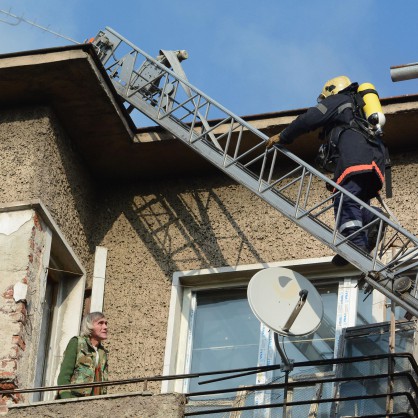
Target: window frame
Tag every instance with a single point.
(184, 283)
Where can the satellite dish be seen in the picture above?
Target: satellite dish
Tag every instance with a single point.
(285, 301)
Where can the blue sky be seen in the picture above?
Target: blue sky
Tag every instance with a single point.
(250, 56)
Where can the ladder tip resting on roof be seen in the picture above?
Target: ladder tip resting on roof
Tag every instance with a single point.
(158, 88)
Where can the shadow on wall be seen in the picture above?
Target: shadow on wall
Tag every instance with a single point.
(185, 227)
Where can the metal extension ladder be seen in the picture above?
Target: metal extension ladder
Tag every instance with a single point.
(276, 175)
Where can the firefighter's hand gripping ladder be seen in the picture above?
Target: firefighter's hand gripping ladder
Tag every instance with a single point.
(277, 176)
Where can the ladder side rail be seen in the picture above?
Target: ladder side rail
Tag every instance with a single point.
(260, 134)
(238, 172)
(270, 196)
(400, 259)
(311, 169)
(324, 178)
(327, 237)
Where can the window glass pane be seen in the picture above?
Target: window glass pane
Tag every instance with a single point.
(374, 340)
(365, 306)
(319, 344)
(225, 336)
(364, 309)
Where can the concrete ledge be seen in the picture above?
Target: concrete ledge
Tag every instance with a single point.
(136, 404)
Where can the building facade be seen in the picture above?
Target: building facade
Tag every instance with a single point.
(96, 214)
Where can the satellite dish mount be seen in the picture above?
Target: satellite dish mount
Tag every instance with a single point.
(287, 303)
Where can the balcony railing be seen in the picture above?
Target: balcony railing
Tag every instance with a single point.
(391, 391)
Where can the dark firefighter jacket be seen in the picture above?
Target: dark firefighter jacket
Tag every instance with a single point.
(357, 153)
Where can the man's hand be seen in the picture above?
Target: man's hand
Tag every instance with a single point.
(275, 139)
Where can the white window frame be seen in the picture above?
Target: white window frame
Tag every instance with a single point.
(184, 283)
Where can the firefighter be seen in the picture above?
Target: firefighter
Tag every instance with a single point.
(358, 156)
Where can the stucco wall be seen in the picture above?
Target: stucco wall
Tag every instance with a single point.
(154, 229)
(38, 162)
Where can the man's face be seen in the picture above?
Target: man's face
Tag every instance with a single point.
(99, 330)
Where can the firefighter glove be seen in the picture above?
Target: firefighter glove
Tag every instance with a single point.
(275, 139)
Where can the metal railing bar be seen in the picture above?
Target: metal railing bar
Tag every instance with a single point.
(291, 183)
(208, 131)
(302, 178)
(180, 105)
(308, 189)
(195, 113)
(236, 159)
(228, 140)
(261, 174)
(305, 383)
(238, 141)
(273, 164)
(271, 186)
(301, 403)
(316, 215)
(254, 370)
(161, 98)
(254, 159)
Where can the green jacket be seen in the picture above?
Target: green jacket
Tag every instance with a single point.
(78, 366)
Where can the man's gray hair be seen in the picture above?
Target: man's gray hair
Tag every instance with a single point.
(87, 323)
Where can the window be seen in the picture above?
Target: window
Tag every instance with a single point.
(225, 335)
(61, 315)
(211, 326)
(321, 343)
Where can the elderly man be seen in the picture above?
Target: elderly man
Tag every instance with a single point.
(85, 358)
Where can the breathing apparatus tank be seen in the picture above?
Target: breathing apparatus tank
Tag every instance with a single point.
(372, 108)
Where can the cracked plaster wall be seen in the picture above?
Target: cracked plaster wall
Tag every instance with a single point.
(38, 162)
(22, 244)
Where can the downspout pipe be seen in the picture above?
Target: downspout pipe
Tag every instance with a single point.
(404, 72)
(99, 277)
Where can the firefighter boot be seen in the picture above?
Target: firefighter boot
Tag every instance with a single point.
(373, 231)
(360, 242)
(340, 261)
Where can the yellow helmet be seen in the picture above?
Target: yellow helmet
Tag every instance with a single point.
(334, 86)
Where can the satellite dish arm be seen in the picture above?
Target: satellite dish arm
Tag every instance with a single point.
(303, 294)
(287, 364)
